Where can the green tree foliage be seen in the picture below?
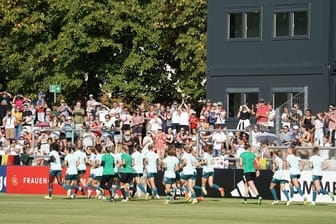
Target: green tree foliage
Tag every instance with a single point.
(138, 50)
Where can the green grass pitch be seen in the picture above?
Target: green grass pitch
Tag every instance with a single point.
(35, 209)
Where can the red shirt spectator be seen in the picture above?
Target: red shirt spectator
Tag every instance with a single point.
(262, 113)
(193, 120)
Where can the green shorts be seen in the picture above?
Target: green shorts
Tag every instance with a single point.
(71, 177)
(55, 173)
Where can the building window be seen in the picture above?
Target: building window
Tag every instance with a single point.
(253, 24)
(244, 25)
(282, 24)
(238, 97)
(300, 23)
(236, 25)
(291, 24)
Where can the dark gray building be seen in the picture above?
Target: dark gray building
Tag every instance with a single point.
(281, 50)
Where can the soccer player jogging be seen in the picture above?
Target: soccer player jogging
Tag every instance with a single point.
(138, 167)
(98, 170)
(80, 156)
(55, 170)
(208, 171)
(107, 178)
(317, 163)
(295, 167)
(116, 153)
(92, 158)
(278, 178)
(170, 165)
(188, 164)
(152, 162)
(71, 174)
(250, 163)
(126, 172)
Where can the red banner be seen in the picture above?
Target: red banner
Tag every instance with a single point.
(32, 180)
(27, 179)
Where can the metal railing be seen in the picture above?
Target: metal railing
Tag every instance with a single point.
(225, 131)
(300, 98)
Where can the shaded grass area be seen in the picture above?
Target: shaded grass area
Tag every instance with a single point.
(35, 209)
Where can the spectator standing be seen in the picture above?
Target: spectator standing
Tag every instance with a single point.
(331, 122)
(118, 127)
(130, 141)
(318, 131)
(79, 114)
(9, 125)
(164, 116)
(155, 123)
(19, 100)
(27, 116)
(285, 118)
(169, 117)
(308, 121)
(5, 105)
(64, 109)
(212, 115)
(295, 115)
(271, 117)
(193, 120)
(137, 125)
(101, 112)
(18, 121)
(160, 143)
(41, 105)
(243, 115)
(3, 140)
(175, 119)
(115, 108)
(262, 112)
(107, 126)
(206, 109)
(126, 118)
(88, 138)
(48, 116)
(255, 131)
(218, 139)
(181, 138)
(147, 141)
(170, 138)
(91, 105)
(221, 108)
(184, 117)
(221, 115)
(32, 108)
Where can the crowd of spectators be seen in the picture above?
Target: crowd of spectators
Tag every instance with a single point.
(28, 127)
